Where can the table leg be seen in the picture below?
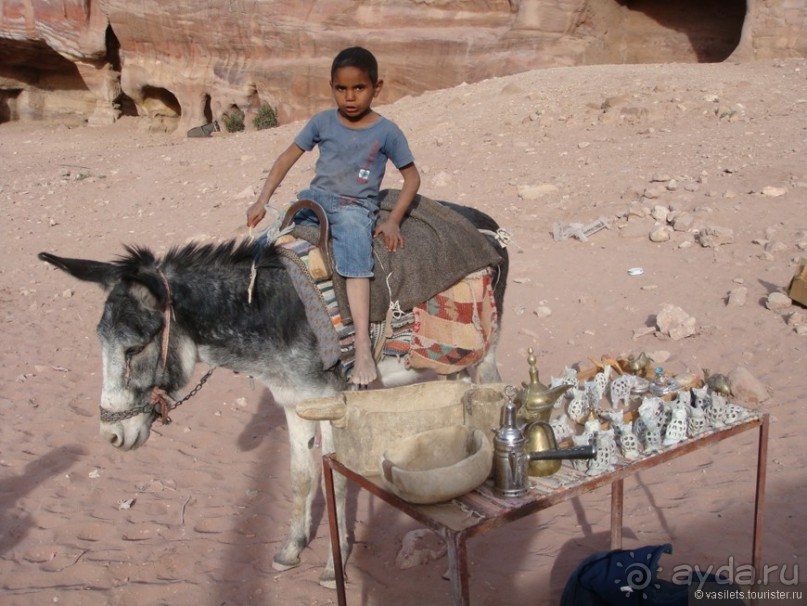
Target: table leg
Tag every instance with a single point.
(759, 498)
(617, 492)
(333, 525)
(457, 567)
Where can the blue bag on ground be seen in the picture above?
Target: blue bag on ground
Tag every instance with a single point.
(626, 577)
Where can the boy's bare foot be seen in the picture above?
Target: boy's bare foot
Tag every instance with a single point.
(364, 370)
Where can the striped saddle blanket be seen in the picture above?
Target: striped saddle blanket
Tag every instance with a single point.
(446, 334)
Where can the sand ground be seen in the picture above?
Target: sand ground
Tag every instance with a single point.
(722, 146)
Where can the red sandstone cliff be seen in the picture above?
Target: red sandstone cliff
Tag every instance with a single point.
(182, 64)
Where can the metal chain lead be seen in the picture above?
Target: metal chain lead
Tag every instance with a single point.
(113, 417)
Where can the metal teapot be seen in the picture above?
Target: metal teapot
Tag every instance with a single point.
(509, 452)
(544, 455)
(535, 400)
(518, 454)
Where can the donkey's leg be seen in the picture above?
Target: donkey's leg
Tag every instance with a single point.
(328, 576)
(304, 473)
(486, 369)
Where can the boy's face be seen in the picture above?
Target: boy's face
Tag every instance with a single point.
(353, 92)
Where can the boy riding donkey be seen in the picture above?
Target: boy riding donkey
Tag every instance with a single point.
(354, 144)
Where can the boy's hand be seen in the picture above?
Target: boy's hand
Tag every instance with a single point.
(255, 214)
(393, 239)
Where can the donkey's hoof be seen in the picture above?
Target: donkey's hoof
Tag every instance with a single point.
(328, 579)
(282, 565)
(328, 583)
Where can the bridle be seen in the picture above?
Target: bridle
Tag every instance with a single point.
(160, 403)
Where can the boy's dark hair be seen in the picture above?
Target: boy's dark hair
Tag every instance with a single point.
(357, 57)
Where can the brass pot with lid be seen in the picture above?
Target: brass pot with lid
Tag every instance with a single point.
(535, 400)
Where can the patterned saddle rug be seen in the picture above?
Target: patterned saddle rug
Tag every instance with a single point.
(446, 333)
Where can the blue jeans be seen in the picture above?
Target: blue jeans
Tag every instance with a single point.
(351, 221)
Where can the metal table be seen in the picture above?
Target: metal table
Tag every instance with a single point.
(482, 510)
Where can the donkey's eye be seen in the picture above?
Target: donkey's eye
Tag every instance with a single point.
(133, 351)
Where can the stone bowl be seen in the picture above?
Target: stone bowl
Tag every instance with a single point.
(437, 465)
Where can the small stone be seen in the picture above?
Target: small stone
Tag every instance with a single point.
(744, 386)
(773, 192)
(542, 311)
(651, 193)
(660, 213)
(797, 319)
(661, 233)
(777, 301)
(737, 297)
(660, 356)
(66, 294)
(418, 547)
(675, 322)
(713, 236)
(683, 222)
(640, 332)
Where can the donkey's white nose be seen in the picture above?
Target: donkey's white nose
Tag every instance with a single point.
(113, 434)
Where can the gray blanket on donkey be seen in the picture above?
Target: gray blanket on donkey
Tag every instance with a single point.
(440, 248)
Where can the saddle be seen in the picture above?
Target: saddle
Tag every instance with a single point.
(319, 259)
(403, 280)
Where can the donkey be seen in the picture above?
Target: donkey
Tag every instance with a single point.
(162, 316)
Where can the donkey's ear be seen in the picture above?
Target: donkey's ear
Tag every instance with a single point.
(105, 274)
(148, 289)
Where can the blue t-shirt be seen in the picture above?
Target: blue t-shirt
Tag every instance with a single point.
(352, 161)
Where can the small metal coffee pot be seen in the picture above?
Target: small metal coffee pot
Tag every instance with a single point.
(535, 400)
(544, 455)
(510, 452)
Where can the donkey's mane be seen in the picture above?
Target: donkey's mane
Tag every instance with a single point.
(231, 252)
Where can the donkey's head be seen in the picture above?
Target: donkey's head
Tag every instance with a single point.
(145, 355)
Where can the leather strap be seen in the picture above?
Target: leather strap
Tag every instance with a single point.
(323, 224)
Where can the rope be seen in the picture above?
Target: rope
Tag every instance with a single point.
(271, 233)
(501, 235)
(394, 312)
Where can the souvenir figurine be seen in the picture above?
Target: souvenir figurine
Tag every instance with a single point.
(638, 365)
(606, 453)
(627, 441)
(716, 411)
(595, 389)
(734, 413)
(696, 423)
(717, 383)
(580, 464)
(676, 430)
(648, 431)
(701, 397)
(561, 427)
(684, 397)
(569, 377)
(578, 407)
(621, 390)
(652, 407)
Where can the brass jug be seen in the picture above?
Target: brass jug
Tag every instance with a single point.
(535, 400)
(544, 455)
(541, 438)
